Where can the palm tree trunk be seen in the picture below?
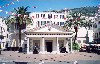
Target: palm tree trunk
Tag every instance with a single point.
(20, 48)
(75, 34)
(19, 36)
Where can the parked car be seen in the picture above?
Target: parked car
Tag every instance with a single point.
(98, 50)
(82, 49)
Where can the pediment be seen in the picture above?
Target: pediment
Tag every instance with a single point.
(49, 28)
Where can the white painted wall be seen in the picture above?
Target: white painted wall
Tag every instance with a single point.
(4, 33)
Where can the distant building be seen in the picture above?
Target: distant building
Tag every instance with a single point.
(97, 28)
(3, 32)
(47, 34)
(84, 36)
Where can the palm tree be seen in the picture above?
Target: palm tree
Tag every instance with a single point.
(75, 22)
(20, 19)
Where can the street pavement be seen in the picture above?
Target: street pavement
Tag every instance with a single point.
(11, 57)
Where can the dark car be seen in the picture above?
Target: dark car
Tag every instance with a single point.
(98, 49)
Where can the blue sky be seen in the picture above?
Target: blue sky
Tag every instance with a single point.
(44, 5)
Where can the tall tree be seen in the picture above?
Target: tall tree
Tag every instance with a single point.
(20, 19)
(76, 22)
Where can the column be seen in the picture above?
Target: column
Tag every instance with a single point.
(71, 44)
(57, 44)
(27, 45)
(66, 45)
(42, 46)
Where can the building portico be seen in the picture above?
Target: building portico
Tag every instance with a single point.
(49, 44)
(45, 40)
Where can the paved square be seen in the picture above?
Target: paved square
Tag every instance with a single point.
(20, 57)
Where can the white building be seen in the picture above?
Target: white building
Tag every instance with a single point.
(84, 36)
(46, 33)
(3, 32)
(49, 38)
(42, 18)
(97, 28)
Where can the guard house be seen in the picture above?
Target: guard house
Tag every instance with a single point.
(48, 38)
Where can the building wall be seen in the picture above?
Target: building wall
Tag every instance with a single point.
(4, 32)
(84, 36)
(96, 29)
(41, 18)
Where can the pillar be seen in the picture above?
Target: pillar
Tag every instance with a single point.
(57, 45)
(42, 46)
(71, 44)
(27, 45)
(66, 45)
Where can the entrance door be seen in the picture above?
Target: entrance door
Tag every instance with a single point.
(49, 46)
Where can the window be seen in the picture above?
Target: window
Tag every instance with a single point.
(43, 22)
(37, 15)
(58, 23)
(38, 23)
(61, 23)
(55, 16)
(7, 35)
(48, 21)
(49, 16)
(3, 44)
(42, 15)
(54, 22)
(61, 16)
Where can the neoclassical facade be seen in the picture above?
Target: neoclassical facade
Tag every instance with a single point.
(46, 34)
(48, 39)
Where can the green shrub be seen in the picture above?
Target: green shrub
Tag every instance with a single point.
(75, 46)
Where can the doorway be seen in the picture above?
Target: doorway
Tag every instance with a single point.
(49, 46)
